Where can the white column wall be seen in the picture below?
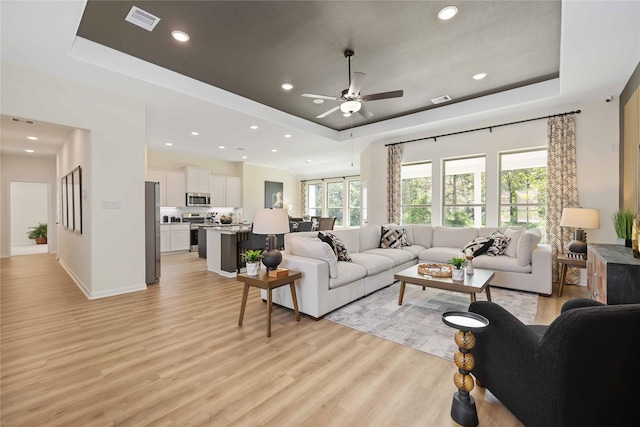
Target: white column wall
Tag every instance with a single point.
(108, 258)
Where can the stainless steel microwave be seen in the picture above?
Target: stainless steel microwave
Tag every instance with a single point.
(198, 199)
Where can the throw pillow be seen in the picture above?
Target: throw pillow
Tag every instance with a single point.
(514, 235)
(500, 243)
(478, 246)
(393, 238)
(528, 241)
(337, 245)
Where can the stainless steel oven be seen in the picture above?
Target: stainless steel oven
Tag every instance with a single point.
(198, 199)
(195, 220)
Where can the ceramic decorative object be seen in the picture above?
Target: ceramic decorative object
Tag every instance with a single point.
(457, 274)
(252, 268)
(635, 236)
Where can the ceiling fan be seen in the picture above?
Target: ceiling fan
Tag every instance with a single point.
(351, 100)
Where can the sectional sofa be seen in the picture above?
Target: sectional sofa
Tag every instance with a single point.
(328, 284)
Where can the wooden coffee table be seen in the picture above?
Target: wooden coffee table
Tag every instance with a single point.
(472, 284)
(264, 281)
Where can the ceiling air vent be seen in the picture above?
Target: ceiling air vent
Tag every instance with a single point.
(441, 99)
(142, 19)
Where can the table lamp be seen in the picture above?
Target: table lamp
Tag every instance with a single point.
(579, 218)
(271, 222)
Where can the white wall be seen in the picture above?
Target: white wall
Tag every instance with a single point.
(108, 258)
(18, 168)
(29, 207)
(170, 160)
(253, 179)
(597, 160)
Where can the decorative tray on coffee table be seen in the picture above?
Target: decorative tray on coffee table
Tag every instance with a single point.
(435, 269)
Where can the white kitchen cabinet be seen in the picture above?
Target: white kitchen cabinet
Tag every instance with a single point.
(197, 180)
(217, 190)
(165, 238)
(233, 192)
(176, 193)
(160, 177)
(226, 191)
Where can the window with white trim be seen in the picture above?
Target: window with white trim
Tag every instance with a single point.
(464, 192)
(415, 205)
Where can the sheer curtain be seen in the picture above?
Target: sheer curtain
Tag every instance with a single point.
(394, 196)
(562, 186)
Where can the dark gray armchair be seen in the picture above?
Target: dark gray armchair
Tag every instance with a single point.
(582, 370)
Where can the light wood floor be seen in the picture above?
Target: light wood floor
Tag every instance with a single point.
(174, 355)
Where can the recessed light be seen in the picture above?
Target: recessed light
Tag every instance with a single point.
(168, 144)
(318, 101)
(29, 151)
(274, 151)
(254, 127)
(308, 161)
(181, 36)
(447, 12)
(287, 86)
(479, 76)
(221, 147)
(287, 135)
(194, 133)
(244, 157)
(33, 138)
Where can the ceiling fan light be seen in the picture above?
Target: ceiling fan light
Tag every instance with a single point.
(350, 106)
(447, 12)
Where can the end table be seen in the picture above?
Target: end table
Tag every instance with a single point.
(264, 281)
(564, 262)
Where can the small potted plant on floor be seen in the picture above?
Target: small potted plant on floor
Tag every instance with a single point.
(38, 233)
(623, 223)
(457, 273)
(252, 258)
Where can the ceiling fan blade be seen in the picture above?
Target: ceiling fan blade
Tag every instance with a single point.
(356, 83)
(364, 112)
(326, 113)
(312, 95)
(383, 95)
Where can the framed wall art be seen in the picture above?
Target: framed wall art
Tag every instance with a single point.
(76, 176)
(64, 212)
(273, 197)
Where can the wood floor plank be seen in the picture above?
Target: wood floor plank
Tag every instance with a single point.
(174, 355)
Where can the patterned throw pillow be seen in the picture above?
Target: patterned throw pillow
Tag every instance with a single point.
(500, 243)
(478, 246)
(336, 244)
(393, 238)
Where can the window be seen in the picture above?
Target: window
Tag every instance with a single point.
(315, 199)
(335, 201)
(523, 186)
(464, 192)
(354, 203)
(415, 206)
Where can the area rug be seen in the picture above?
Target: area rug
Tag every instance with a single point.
(417, 323)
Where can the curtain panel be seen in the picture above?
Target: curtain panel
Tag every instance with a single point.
(394, 181)
(303, 199)
(562, 186)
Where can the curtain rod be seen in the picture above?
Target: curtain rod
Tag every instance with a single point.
(334, 177)
(435, 138)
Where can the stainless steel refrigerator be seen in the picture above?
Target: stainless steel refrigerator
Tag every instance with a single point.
(152, 231)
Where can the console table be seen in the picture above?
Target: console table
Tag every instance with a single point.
(613, 274)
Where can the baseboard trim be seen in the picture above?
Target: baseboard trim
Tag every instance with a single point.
(102, 294)
(75, 279)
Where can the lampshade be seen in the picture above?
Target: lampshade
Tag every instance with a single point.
(270, 221)
(350, 107)
(580, 218)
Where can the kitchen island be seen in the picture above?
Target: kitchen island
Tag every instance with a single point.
(222, 248)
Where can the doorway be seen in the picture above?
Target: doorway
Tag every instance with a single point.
(29, 203)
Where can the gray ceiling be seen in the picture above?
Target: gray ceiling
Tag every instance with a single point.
(250, 48)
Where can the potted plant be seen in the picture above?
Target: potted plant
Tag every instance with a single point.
(252, 258)
(457, 273)
(623, 223)
(38, 233)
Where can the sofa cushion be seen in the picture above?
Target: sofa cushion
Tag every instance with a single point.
(414, 249)
(501, 263)
(527, 242)
(316, 249)
(453, 237)
(398, 256)
(420, 234)
(393, 237)
(514, 235)
(347, 272)
(478, 246)
(350, 238)
(369, 238)
(374, 264)
(500, 243)
(342, 254)
(440, 254)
